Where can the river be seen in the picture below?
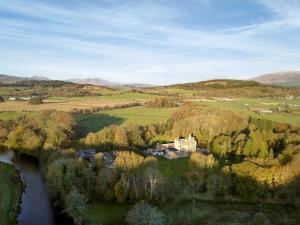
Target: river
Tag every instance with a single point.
(36, 207)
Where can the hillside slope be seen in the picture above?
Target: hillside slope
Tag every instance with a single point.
(289, 78)
(225, 88)
(94, 81)
(7, 79)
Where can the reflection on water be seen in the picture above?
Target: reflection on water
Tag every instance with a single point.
(36, 205)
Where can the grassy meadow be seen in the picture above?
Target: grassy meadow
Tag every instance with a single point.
(9, 115)
(244, 105)
(73, 103)
(10, 193)
(139, 115)
(107, 214)
(173, 168)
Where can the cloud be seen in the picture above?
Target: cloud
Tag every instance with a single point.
(141, 41)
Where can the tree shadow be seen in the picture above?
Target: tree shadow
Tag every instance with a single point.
(95, 122)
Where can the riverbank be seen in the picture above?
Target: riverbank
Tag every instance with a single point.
(11, 189)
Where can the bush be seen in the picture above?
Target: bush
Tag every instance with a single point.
(259, 219)
(144, 214)
(36, 101)
(163, 103)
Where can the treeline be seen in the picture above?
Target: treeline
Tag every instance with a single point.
(202, 121)
(237, 88)
(251, 92)
(103, 108)
(166, 102)
(31, 134)
(219, 84)
(49, 88)
(261, 139)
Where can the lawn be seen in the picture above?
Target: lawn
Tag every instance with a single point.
(139, 115)
(107, 214)
(9, 115)
(11, 189)
(173, 168)
(243, 105)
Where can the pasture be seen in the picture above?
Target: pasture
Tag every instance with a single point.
(245, 105)
(139, 115)
(10, 115)
(73, 103)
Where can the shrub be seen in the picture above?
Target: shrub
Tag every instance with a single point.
(143, 213)
(259, 219)
(36, 100)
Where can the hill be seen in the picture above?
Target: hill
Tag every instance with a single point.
(218, 84)
(224, 88)
(7, 79)
(102, 82)
(94, 81)
(288, 78)
(18, 86)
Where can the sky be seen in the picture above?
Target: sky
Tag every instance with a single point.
(149, 41)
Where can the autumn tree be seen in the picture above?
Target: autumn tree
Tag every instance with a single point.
(144, 214)
(76, 207)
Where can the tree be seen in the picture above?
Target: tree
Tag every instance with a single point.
(144, 214)
(201, 161)
(76, 207)
(221, 146)
(120, 138)
(24, 139)
(134, 133)
(36, 100)
(259, 219)
(128, 161)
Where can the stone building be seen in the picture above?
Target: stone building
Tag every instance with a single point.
(188, 144)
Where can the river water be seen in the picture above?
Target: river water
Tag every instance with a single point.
(36, 207)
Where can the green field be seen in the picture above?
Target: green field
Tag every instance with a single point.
(107, 214)
(173, 168)
(14, 115)
(10, 194)
(139, 115)
(10, 115)
(244, 105)
(115, 97)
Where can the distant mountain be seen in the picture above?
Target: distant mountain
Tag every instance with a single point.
(288, 78)
(7, 79)
(94, 81)
(101, 82)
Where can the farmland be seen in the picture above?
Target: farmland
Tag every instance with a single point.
(135, 115)
(244, 105)
(73, 103)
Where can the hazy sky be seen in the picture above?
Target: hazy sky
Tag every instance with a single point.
(152, 41)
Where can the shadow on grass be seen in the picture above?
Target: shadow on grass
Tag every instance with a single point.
(95, 122)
